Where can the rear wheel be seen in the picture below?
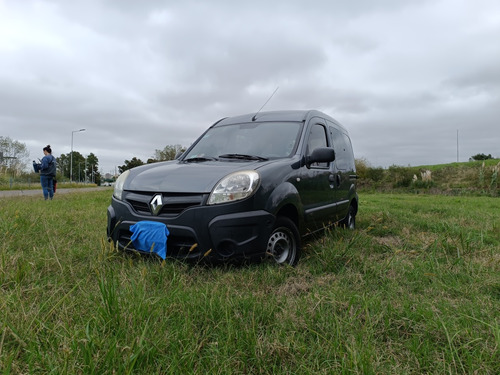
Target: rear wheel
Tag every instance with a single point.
(283, 244)
(349, 222)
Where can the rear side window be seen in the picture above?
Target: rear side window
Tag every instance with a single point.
(344, 157)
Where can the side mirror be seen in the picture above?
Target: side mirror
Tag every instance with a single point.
(321, 155)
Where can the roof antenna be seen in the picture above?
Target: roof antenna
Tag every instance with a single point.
(255, 116)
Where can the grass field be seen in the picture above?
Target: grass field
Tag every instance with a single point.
(415, 289)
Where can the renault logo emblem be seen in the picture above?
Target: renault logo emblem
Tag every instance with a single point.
(156, 204)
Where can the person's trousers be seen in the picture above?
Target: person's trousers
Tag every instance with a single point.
(47, 186)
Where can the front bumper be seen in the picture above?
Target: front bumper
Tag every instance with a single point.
(212, 233)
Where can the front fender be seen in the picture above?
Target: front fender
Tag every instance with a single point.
(283, 195)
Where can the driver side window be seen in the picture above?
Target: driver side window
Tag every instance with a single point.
(317, 138)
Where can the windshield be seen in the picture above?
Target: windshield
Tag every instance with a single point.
(252, 141)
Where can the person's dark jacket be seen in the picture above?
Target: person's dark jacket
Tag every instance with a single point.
(48, 166)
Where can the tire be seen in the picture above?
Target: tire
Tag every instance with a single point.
(283, 244)
(349, 222)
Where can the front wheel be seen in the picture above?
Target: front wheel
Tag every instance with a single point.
(283, 244)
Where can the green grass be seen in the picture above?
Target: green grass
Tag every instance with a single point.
(470, 164)
(415, 289)
(474, 178)
(35, 185)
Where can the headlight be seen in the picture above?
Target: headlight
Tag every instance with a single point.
(235, 186)
(120, 181)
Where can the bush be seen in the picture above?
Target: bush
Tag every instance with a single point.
(481, 157)
(400, 176)
(362, 167)
(375, 174)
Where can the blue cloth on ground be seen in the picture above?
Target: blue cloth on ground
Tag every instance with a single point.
(150, 236)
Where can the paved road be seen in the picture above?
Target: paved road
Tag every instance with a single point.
(18, 193)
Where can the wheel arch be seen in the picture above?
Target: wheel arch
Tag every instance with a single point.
(355, 204)
(285, 201)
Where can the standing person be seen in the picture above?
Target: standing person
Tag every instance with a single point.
(47, 170)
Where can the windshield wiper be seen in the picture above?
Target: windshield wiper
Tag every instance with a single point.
(242, 157)
(199, 159)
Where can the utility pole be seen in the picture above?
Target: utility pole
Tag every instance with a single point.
(71, 157)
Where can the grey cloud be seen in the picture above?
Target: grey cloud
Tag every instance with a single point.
(403, 76)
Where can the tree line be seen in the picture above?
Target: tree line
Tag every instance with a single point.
(15, 161)
(168, 153)
(85, 169)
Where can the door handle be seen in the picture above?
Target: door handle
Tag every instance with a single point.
(337, 179)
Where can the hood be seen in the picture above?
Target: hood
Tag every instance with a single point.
(183, 177)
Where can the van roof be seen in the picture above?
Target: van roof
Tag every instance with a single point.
(288, 115)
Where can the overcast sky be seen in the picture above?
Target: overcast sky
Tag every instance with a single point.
(402, 76)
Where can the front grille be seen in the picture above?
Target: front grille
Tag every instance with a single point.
(173, 204)
(140, 207)
(180, 247)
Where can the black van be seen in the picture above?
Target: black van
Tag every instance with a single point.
(249, 187)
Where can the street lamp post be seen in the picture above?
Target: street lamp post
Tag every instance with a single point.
(71, 157)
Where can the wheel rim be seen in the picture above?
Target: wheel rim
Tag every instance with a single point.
(281, 246)
(351, 222)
